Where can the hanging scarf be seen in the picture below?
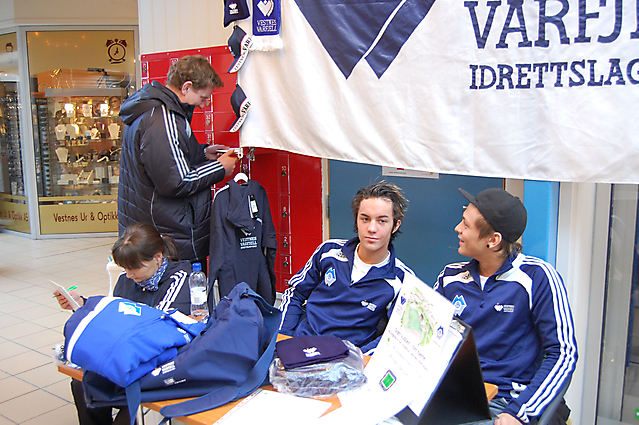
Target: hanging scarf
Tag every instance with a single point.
(151, 284)
(267, 20)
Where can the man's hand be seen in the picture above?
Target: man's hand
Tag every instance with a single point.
(228, 161)
(211, 152)
(506, 419)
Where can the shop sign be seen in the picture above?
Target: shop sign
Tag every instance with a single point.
(79, 218)
(18, 214)
(116, 49)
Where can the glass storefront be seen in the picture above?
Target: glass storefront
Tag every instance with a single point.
(14, 214)
(78, 81)
(618, 396)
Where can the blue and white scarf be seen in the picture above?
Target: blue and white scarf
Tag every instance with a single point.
(151, 284)
(267, 20)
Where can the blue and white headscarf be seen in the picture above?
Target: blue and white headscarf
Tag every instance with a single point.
(151, 284)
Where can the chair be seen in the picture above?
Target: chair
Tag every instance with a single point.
(114, 273)
(546, 417)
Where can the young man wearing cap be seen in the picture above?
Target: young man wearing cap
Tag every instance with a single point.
(348, 286)
(166, 175)
(517, 306)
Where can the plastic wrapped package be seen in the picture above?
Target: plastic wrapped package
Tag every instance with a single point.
(320, 379)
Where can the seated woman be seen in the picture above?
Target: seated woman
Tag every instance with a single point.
(153, 276)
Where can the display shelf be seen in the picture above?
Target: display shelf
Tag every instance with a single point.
(11, 176)
(80, 141)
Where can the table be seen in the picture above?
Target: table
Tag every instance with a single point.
(211, 416)
(205, 418)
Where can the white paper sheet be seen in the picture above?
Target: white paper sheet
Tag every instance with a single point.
(57, 287)
(403, 360)
(283, 409)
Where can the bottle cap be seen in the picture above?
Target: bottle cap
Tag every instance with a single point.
(197, 267)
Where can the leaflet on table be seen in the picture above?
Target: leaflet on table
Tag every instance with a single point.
(370, 404)
(283, 409)
(404, 359)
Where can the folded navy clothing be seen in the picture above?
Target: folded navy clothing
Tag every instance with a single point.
(310, 349)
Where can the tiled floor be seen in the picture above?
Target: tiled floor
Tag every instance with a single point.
(32, 391)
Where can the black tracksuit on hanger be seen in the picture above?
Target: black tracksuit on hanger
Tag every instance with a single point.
(243, 240)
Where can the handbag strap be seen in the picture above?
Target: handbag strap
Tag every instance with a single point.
(272, 320)
(226, 394)
(255, 378)
(133, 399)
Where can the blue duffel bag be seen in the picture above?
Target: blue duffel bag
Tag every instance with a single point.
(123, 340)
(227, 361)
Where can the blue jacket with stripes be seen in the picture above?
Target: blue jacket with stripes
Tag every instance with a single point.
(523, 327)
(165, 178)
(323, 300)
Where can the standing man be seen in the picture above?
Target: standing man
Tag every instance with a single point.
(517, 306)
(348, 286)
(165, 174)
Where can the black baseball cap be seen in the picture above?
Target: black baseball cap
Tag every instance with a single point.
(235, 10)
(310, 349)
(504, 212)
(241, 105)
(239, 44)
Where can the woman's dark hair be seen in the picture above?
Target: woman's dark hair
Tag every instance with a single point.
(384, 190)
(139, 244)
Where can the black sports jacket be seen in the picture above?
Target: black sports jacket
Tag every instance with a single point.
(165, 178)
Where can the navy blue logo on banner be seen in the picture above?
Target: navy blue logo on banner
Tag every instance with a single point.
(348, 28)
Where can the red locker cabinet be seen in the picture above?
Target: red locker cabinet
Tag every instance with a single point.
(294, 186)
(293, 182)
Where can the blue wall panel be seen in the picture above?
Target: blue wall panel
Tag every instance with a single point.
(541, 200)
(428, 240)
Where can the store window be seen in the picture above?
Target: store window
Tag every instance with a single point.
(78, 81)
(618, 396)
(14, 214)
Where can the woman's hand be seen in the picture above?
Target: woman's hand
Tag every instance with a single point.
(64, 303)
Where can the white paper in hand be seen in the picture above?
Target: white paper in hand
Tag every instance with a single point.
(73, 303)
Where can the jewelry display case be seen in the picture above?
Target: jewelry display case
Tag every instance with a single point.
(11, 176)
(14, 208)
(80, 141)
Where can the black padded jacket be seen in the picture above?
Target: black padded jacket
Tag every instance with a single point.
(165, 178)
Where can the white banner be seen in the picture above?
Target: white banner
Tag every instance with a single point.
(534, 89)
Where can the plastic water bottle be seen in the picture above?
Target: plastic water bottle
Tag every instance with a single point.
(197, 285)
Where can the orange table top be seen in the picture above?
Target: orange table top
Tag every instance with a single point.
(211, 416)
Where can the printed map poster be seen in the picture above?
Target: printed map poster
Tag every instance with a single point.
(405, 359)
(415, 334)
